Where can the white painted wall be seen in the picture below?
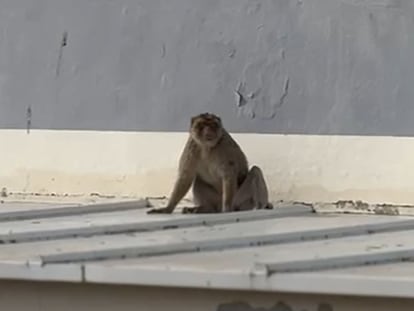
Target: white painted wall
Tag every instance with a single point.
(297, 167)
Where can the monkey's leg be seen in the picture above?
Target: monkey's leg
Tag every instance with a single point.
(207, 199)
(252, 193)
(229, 190)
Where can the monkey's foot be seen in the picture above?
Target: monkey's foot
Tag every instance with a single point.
(264, 206)
(189, 210)
(198, 210)
(267, 206)
(159, 211)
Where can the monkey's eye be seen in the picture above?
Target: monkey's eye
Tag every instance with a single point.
(200, 127)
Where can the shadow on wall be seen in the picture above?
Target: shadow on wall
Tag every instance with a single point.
(241, 306)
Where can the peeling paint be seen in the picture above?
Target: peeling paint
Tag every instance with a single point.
(355, 204)
(284, 94)
(232, 52)
(240, 99)
(163, 50)
(265, 83)
(349, 206)
(386, 209)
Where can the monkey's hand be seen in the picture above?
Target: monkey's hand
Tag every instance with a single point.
(164, 210)
(266, 206)
(189, 210)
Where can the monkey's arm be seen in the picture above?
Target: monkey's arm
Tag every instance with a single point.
(181, 187)
(186, 175)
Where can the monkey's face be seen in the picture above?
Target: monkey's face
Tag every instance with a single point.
(206, 129)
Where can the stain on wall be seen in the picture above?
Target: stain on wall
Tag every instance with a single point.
(280, 306)
(276, 66)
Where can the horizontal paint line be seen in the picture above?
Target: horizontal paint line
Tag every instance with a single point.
(168, 223)
(227, 243)
(72, 210)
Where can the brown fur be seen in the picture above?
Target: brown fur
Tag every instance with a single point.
(218, 170)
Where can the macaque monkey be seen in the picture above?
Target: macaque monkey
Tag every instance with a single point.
(214, 164)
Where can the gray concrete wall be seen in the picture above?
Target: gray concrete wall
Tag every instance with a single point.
(281, 66)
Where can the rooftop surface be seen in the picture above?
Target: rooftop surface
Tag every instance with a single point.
(287, 249)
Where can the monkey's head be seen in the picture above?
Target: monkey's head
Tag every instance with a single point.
(206, 129)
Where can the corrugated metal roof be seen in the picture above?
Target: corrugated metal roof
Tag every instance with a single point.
(288, 249)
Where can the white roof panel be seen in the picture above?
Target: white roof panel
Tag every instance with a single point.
(288, 249)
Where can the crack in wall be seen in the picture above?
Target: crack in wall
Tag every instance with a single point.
(28, 119)
(63, 43)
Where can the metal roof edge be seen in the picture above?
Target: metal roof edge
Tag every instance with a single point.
(256, 280)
